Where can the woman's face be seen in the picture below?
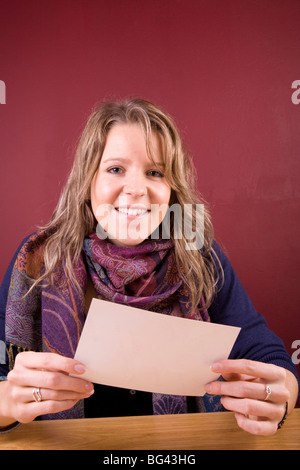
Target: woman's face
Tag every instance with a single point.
(129, 192)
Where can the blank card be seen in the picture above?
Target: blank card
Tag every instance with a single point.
(127, 347)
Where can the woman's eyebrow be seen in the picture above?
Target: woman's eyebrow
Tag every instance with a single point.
(125, 160)
(118, 159)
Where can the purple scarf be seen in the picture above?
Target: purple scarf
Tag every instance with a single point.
(52, 317)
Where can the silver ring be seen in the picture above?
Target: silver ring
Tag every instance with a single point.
(268, 392)
(36, 392)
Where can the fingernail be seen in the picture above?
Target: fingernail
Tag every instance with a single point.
(79, 369)
(89, 386)
(208, 388)
(216, 367)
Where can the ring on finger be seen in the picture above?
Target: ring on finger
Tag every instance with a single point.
(268, 392)
(36, 392)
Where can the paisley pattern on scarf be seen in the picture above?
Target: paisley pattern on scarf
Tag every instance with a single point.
(51, 317)
(145, 276)
(169, 404)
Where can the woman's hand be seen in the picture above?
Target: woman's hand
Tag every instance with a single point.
(48, 374)
(245, 393)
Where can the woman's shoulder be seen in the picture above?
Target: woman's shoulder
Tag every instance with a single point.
(28, 256)
(219, 250)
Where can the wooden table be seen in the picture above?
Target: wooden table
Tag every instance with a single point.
(191, 431)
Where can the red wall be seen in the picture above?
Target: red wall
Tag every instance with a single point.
(223, 68)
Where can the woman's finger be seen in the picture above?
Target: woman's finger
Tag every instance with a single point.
(33, 394)
(49, 380)
(257, 408)
(25, 413)
(48, 370)
(244, 389)
(255, 369)
(257, 427)
(48, 361)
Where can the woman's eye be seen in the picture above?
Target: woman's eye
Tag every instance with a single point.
(155, 173)
(115, 170)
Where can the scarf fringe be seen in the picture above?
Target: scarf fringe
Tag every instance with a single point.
(12, 350)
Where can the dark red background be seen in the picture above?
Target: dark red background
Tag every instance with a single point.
(222, 68)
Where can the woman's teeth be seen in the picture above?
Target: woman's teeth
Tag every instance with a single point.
(132, 211)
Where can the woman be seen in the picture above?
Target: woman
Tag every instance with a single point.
(105, 239)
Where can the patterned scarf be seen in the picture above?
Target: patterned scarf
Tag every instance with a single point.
(51, 318)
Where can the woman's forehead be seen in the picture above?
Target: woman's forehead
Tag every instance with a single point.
(125, 138)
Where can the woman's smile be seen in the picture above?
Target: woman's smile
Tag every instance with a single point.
(132, 211)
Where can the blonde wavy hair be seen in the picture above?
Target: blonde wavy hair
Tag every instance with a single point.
(73, 219)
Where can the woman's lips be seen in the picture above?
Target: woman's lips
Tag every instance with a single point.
(132, 211)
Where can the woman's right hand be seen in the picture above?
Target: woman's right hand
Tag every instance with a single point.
(48, 372)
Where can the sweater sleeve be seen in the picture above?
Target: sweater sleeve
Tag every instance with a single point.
(3, 300)
(232, 306)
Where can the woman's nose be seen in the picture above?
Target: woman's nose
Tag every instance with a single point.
(135, 186)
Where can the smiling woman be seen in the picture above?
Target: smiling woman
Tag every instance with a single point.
(130, 162)
(136, 143)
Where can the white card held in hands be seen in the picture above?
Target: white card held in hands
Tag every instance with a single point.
(127, 347)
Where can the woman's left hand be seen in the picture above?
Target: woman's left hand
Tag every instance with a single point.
(246, 392)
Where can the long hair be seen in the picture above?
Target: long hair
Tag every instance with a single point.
(73, 219)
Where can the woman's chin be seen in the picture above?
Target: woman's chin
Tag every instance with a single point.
(126, 242)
